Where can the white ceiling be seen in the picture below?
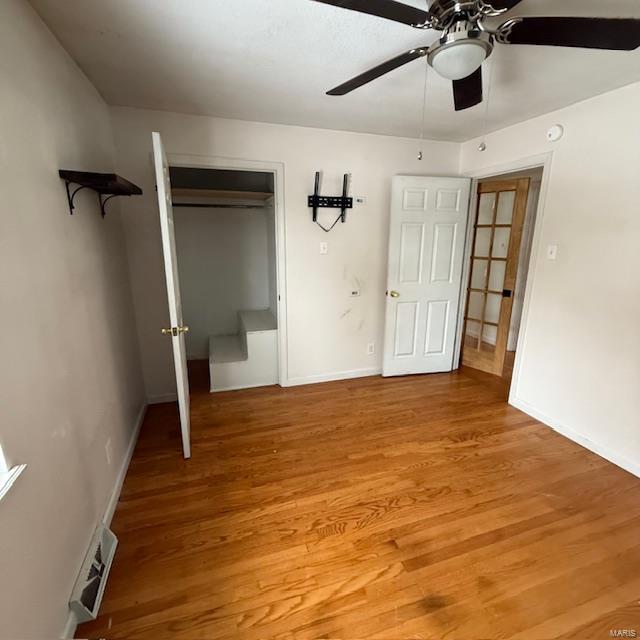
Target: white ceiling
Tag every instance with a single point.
(273, 60)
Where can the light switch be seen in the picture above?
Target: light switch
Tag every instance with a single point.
(324, 248)
(552, 252)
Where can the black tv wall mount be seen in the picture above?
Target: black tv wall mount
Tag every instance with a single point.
(343, 202)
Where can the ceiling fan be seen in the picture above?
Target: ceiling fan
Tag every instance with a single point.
(466, 42)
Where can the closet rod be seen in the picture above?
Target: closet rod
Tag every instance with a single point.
(198, 205)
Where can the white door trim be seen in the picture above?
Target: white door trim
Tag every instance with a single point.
(532, 162)
(277, 168)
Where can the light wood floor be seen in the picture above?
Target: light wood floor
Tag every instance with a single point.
(418, 507)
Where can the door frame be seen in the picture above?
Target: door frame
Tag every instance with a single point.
(543, 161)
(277, 169)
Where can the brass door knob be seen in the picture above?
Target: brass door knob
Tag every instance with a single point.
(174, 331)
(394, 294)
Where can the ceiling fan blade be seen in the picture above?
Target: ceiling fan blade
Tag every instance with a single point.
(376, 72)
(621, 34)
(388, 9)
(467, 92)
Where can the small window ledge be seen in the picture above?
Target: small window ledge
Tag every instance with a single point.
(7, 478)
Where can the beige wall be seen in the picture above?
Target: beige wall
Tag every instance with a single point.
(70, 377)
(328, 331)
(581, 343)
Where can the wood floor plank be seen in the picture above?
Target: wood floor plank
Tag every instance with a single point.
(417, 507)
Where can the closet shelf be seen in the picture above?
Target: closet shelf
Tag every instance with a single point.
(106, 185)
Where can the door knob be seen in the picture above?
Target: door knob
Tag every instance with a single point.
(394, 294)
(174, 331)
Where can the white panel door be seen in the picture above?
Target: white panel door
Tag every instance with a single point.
(177, 330)
(426, 245)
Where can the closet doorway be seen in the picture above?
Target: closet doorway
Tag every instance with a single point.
(504, 220)
(226, 224)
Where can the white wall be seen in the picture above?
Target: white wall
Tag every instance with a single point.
(581, 344)
(70, 377)
(327, 330)
(223, 261)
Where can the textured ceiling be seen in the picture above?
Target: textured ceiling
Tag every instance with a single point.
(273, 60)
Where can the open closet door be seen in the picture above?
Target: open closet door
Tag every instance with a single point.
(177, 329)
(426, 246)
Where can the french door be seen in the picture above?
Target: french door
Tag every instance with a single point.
(499, 220)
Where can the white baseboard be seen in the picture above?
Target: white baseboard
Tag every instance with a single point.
(71, 622)
(244, 386)
(117, 487)
(604, 452)
(167, 397)
(336, 375)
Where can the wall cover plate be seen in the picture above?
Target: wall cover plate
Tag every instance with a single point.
(555, 133)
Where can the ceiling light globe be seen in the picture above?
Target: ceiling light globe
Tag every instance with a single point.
(459, 60)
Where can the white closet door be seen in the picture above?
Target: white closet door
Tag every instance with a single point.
(177, 329)
(426, 245)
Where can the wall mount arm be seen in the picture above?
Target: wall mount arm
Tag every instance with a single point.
(106, 185)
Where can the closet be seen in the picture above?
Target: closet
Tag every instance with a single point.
(226, 252)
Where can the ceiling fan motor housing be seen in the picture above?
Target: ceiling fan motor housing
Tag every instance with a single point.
(444, 13)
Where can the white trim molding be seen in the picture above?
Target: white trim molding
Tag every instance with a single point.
(112, 503)
(335, 375)
(543, 161)
(604, 452)
(277, 169)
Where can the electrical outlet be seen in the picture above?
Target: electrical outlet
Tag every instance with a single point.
(371, 348)
(109, 451)
(360, 200)
(355, 293)
(552, 252)
(324, 248)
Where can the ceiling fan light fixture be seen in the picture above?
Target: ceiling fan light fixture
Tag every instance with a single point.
(459, 59)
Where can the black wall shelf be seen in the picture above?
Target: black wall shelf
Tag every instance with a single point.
(106, 185)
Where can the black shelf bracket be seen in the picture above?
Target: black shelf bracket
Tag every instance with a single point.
(106, 185)
(343, 202)
(71, 194)
(103, 201)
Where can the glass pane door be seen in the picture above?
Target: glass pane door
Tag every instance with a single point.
(496, 243)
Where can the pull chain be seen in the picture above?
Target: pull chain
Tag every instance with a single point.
(424, 111)
(483, 145)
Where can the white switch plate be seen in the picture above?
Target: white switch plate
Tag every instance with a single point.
(371, 348)
(552, 252)
(324, 248)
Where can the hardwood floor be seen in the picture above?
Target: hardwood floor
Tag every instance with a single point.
(418, 507)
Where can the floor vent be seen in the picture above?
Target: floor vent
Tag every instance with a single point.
(92, 579)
